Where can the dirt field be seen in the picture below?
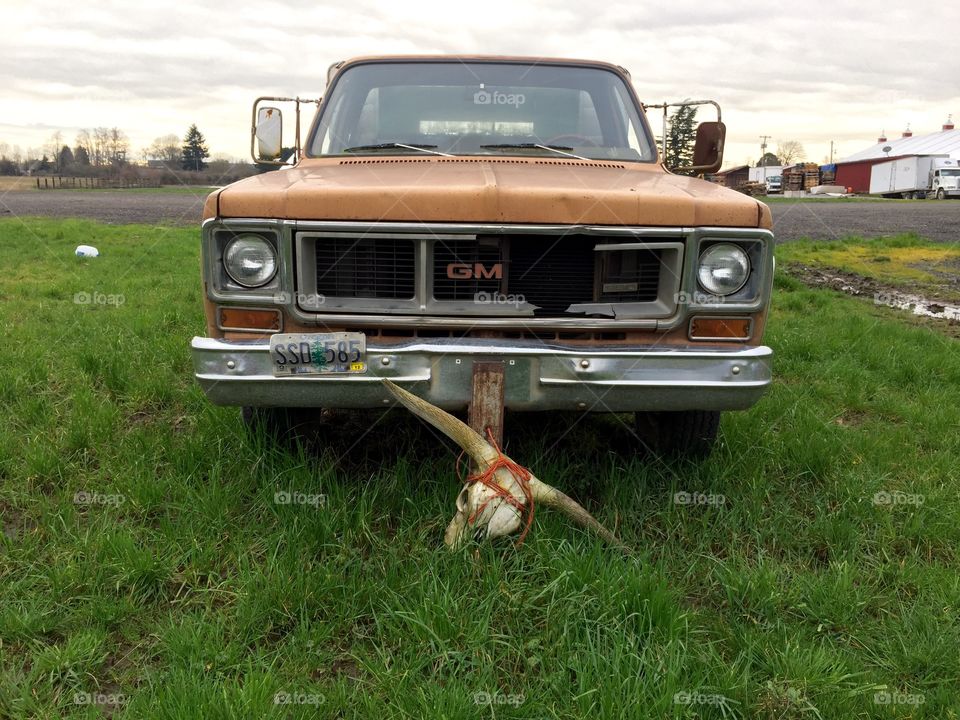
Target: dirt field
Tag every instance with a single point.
(825, 220)
(120, 206)
(830, 220)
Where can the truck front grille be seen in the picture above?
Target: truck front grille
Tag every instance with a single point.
(381, 268)
(495, 274)
(551, 272)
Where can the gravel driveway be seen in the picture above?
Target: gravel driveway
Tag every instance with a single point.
(938, 220)
(110, 206)
(822, 220)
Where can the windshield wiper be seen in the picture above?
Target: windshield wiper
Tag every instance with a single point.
(393, 145)
(559, 149)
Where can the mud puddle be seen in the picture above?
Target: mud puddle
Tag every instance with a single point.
(857, 285)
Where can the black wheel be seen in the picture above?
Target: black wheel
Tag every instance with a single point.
(680, 433)
(941, 194)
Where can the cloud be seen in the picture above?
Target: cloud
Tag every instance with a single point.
(813, 72)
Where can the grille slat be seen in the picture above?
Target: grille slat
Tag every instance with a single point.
(378, 268)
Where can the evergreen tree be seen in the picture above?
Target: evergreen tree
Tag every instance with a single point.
(769, 160)
(81, 156)
(681, 136)
(66, 157)
(194, 150)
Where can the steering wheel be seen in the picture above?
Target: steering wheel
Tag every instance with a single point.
(571, 140)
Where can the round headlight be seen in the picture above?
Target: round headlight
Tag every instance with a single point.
(724, 269)
(250, 260)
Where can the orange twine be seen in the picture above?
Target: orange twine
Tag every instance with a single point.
(520, 473)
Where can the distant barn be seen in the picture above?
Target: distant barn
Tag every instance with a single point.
(733, 177)
(854, 171)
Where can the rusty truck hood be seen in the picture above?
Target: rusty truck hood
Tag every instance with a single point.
(487, 190)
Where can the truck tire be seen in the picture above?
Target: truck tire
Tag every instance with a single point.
(941, 194)
(680, 433)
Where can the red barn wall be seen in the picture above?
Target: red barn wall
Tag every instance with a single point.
(856, 175)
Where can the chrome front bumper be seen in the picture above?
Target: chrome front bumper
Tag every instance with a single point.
(538, 376)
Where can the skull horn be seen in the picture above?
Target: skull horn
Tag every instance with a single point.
(490, 512)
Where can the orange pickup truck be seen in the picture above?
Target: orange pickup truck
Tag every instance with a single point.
(448, 211)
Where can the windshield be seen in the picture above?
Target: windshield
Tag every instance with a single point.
(480, 108)
(950, 173)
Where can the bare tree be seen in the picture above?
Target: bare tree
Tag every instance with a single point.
(101, 141)
(790, 151)
(52, 149)
(118, 144)
(166, 149)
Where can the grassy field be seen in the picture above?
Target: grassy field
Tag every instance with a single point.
(904, 261)
(147, 569)
(8, 182)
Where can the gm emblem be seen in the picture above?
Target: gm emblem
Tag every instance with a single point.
(465, 271)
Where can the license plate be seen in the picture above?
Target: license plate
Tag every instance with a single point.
(318, 353)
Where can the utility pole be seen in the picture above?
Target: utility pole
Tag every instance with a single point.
(763, 149)
(831, 152)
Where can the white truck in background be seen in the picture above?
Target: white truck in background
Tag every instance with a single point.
(912, 177)
(769, 175)
(945, 178)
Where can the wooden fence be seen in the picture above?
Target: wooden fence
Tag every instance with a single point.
(56, 182)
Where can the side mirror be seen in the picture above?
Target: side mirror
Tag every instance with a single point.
(269, 134)
(266, 131)
(708, 147)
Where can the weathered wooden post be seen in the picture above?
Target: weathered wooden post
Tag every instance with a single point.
(486, 406)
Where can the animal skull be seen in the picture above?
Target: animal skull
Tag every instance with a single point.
(484, 511)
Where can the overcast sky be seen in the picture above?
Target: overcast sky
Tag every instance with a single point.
(812, 71)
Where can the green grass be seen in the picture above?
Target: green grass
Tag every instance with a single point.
(184, 591)
(907, 262)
